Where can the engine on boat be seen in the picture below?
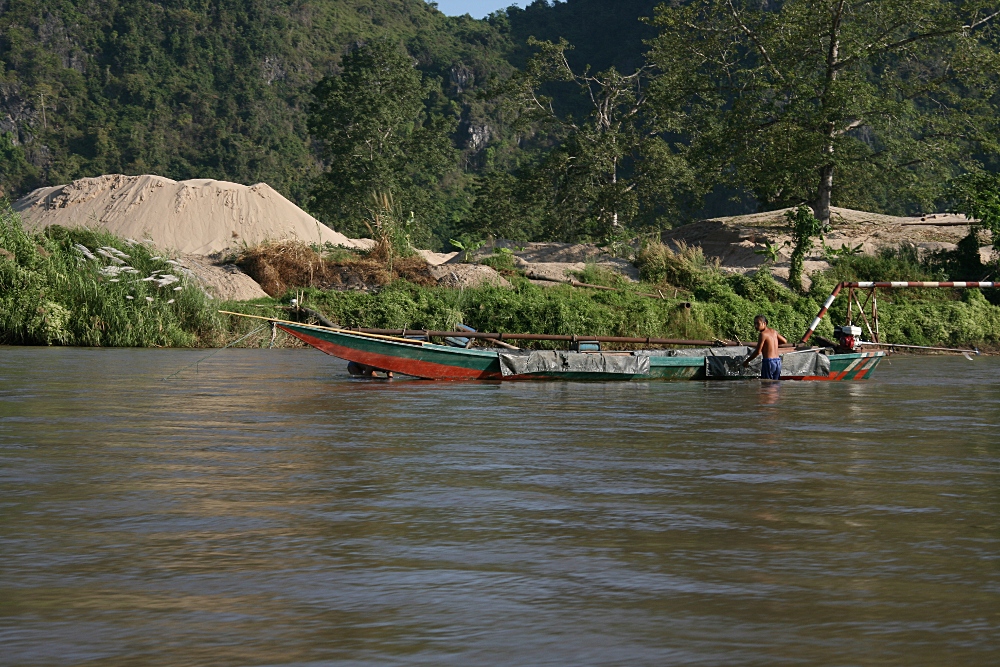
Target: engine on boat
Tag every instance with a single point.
(847, 338)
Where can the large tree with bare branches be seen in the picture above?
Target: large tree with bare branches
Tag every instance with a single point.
(856, 102)
(600, 172)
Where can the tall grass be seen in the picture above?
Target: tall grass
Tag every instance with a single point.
(723, 306)
(562, 310)
(282, 265)
(686, 268)
(390, 230)
(86, 287)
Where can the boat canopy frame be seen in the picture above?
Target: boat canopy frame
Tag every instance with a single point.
(870, 302)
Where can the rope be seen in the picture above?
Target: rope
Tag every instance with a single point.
(196, 363)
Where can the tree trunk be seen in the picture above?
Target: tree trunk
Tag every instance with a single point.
(822, 206)
(614, 181)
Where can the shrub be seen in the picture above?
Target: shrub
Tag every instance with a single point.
(501, 260)
(280, 266)
(593, 274)
(686, 267)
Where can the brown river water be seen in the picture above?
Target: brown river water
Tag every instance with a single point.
(264, 509)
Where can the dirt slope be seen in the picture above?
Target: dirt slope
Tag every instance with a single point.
(733, 240)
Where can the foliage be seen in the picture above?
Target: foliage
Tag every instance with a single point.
(902, 263)
(587, 184)
(467, 248)
(280, 266)
(51, 292)
(378, 132)
(769, 252)
(891, 95)
(686, 267)
(391, 232)
(594, 274)
(82, 287)
(606, 34)
(977, 195)
(207, 89)
(804, 226)
(16, 173)
(846, 250)
(502, 260)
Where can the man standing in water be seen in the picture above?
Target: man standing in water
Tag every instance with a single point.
(767, 345)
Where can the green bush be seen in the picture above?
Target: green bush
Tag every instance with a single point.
(593, 274)
(900, 263)
(502, 260)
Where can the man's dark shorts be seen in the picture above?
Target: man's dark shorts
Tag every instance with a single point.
(770, 369)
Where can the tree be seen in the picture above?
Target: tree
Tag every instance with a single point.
(805, 227)
(377, 134)
(977, 195)
(604, 171)
(16, 172)
(888, 97)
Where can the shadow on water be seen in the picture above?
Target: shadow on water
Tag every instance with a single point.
(270, 510)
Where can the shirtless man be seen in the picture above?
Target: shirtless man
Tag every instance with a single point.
(767, 345)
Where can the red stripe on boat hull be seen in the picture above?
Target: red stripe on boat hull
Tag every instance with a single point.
(421, 369)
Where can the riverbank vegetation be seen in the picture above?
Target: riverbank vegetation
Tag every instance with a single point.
(84, 287)
(701, 302)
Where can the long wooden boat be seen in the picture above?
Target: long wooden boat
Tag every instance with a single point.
(432, 361)
(387, 351)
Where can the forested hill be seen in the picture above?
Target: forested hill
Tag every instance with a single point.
(603, 34)
(198, 88)
(220, 88)
(467, 128)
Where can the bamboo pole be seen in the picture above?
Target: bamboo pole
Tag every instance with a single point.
(396, 335)
(546, 337)
(313, 326)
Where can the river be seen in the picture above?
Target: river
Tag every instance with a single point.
(261, 508)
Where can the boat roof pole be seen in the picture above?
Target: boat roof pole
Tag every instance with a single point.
(885, 285)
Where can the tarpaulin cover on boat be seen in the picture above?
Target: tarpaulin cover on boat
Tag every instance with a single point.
(793, 364)
(554, 362)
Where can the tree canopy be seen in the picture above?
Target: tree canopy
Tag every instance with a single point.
(869, 103)
(606, 173)
(379, 134)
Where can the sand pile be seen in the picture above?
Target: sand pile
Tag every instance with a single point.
(224, 282)
(196, 217)
(733, 240)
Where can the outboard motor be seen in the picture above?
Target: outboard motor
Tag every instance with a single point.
(847, 336)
